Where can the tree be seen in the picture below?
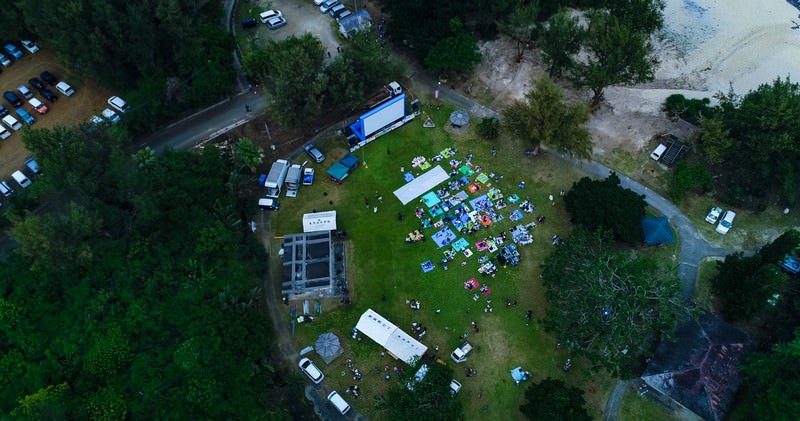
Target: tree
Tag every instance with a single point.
(560, 40)
(520, 25)
(248, 154)
(544, 118)
(292, 73)
(614, 54)
(606, 304)
(772, 386)
(604, 204)
(686, 177)
(553, 400)
(645, 16)
(429, 399)
(455, 53)
(489, 128)
(744, 284)
(714, 139)
(786, 244)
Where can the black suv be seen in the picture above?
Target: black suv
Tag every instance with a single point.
(36, 83)
(12, 98)
(48, 95)
(49, 78)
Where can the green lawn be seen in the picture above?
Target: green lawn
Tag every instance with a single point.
(636, 408)
(384, 271)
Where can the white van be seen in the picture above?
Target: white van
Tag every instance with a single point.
(65, 89)
(12, 123)
(4, 134)
(656, 154)
(268, 204)
(20, 178)
(339, 402)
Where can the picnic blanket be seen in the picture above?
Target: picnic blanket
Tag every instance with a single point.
(482, 178)
(480, 203)
(430, 199)
(427, 266)
(444, 237)
(466, 170)
(516, 215)
(471, 284)
(460, 244)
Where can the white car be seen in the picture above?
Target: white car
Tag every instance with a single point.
(726, 222)
(110, 115)
(311, 370)
(118, 103)
(713, 215)
(455, 386)
(31, 46)
(269, 14)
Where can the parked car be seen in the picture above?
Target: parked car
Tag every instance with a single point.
(48, 95)
(25, 116)
(455, 386)
(338, 402)
(13, 50)
(314, 153)
(49, 78)
(12, 98)
(327, 5)
(336, 10)
(343, 15)
(33, 165)
(276, 22)
(269, 14)
(12, 123)
(249, 23)
(110, 115)
(5, 61)
(312, 371)
(6, 189)
(3, 111)
(319, 2)
(21, 179)
(4, 134)
(118, 104)
(265, 203)
(726, 222)
(24, 91)
(36, 83)
(38, 106)
(65, 88)
(31, 46)
(713, 215)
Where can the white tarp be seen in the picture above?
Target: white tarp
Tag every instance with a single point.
(422, 184)
(319, 221)
(389, 336)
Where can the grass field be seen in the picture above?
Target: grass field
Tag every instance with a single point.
(384, 271)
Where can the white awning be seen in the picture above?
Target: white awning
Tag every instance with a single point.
(418, 186)
(319, 221)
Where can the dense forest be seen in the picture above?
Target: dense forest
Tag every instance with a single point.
(135, 293)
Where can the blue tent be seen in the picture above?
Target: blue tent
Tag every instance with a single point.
(657, 231)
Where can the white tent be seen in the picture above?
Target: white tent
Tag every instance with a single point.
(398, 343)
(418, 186)
(320, 221)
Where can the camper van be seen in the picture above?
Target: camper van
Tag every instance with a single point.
(293, 179)
(276, 178)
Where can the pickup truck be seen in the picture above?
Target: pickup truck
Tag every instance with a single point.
(459, 354)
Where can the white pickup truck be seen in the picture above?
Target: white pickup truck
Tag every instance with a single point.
(459, 354)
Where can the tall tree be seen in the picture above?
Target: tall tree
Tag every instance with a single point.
(772, 387)
(744, 284)
(553, 400)
(560, 40)
(520, 25)
(427, 399)
(614, 53)
(714, 139)
(455, 53)
(606, 304)
(544, 118)
(605, 204)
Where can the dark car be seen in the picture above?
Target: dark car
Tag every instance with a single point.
(3, 111)
(49, 78)
(48, 95)
(36, 83)
(249, 23)
(12, 98)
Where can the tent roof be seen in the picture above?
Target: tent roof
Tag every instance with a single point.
(418, 186)
(459, 118)
(349, 161)
(319, 221)
(657, 231)
(338, 171)
(354, 22)
(699, 370)
(328, 347)
(389, 336)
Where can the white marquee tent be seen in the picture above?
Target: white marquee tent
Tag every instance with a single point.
(319, 221)
(398, 343)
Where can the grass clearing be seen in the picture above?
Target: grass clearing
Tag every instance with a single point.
(703, 296)
(635, 408)
(384, 271)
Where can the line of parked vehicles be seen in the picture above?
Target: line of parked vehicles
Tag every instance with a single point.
(20, 178)
(272, 18)
(335, 9)
(15, 53)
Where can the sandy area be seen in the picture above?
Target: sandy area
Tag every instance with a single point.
(706, 46)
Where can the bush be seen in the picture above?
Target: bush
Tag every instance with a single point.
(489, 128)
(677, 105)
(687, 177)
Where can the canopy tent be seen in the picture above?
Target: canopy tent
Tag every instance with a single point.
(319, 221)
(398, 343)
(657, 231)
(459, 118)
(418, 186)
(328, 347)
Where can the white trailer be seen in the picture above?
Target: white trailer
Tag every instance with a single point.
(293, 179)
(276, 178)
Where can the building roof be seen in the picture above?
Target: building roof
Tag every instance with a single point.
(319, 221)
(389, 336)
(699, 370)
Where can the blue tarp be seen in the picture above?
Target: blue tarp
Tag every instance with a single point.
(657, 231)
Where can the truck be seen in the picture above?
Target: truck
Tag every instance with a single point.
(459, 354)
(276, 178)
(389, 91)
(293, 178)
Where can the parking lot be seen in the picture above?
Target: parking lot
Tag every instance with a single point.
(88, 99)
